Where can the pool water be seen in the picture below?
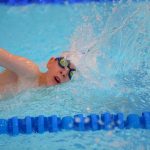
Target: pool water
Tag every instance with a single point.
(113, 70)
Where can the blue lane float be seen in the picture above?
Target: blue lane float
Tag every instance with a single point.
(79, 122)
(26, 2)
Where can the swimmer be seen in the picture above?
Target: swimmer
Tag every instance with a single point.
(21, 73)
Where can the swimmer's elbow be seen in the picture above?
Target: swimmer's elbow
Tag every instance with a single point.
(4, 56)
(3, 52)
(1, 49)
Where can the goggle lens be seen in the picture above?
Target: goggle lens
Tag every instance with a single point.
(64, 63)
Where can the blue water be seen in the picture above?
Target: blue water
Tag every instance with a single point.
(113, 75)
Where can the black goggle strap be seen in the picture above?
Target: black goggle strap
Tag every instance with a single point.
(71, 73)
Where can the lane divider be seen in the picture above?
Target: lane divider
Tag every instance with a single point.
(79, 122)
(26, 2)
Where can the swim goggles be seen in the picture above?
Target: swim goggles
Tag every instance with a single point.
(65, 63)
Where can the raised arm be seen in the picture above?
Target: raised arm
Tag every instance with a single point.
(21, 66)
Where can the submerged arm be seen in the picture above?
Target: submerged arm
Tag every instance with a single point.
(21, 66)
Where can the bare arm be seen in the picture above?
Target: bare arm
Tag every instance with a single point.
(21, 66)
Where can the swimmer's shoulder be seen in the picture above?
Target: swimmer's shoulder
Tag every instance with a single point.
(30, 68)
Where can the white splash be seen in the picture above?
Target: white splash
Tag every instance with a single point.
(86, 45)
(82, 51)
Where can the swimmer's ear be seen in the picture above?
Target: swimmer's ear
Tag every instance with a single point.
(50, 61)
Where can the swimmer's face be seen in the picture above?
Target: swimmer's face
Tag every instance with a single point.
(56, 73)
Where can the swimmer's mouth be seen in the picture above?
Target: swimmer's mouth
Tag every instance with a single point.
(57, 79)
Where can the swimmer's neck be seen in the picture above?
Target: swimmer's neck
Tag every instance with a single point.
(42, 79)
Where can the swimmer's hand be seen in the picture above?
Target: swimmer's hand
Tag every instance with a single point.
(21, 66)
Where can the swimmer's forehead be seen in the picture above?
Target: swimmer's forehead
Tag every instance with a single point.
(72, 66)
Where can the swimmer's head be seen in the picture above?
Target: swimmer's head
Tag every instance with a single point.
(60, 70)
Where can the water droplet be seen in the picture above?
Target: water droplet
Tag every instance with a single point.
(100, 122)
(87, 120)
(77, 119)
(88, 109)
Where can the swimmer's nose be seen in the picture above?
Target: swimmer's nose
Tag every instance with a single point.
(63, 73)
